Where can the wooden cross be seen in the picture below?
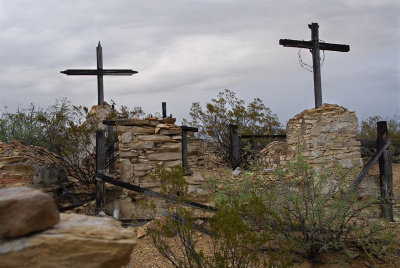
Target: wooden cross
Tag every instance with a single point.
(315, 46)
(99, 72)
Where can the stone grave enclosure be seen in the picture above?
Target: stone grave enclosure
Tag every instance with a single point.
(325, 136)
(143, 144)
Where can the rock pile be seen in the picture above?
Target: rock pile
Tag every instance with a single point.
(22, 165)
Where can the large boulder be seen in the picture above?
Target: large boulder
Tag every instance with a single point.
(76, 241)
(24, 210)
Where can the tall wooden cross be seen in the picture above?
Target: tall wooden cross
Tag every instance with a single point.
(99, 72)
(315, 46)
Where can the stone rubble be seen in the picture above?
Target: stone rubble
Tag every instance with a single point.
(22, 165)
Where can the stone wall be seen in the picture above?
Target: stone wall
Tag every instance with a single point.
(324, 136)
(143, 144)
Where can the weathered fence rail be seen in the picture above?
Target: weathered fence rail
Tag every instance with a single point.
(235, 143)
(104, 178)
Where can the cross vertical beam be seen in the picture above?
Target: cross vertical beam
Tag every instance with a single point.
(100, 86)
(316, 64)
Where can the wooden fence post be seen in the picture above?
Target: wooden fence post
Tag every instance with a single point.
(385, 172)
(100, 169)
(111, 166)
(185, 164)
(164, 109)
(185, 161)
(387, 189)
(235, 146)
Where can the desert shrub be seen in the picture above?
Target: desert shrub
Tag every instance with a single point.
(234, 240)
(302, 212)
(213, 121)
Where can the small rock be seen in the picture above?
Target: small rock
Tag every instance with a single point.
(237, 172)
(141, 232)
(24, 210)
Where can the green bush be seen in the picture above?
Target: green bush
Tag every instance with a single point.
(235, 242)
(302, 212)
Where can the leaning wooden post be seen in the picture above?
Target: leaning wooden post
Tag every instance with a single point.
(111, 166)
(385, 171)
(235, 146)
(100, 169)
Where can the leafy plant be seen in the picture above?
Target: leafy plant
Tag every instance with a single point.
(234, 240)
(213, 121)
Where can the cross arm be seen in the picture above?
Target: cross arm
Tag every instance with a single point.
(295, 43)
(99, 72)
(309, 45)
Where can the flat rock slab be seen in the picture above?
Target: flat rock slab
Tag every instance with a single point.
(24, 210)
(77, 241)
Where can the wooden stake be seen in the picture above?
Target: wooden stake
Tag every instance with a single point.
(100, 169)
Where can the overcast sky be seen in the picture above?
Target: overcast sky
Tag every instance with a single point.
(189, 50)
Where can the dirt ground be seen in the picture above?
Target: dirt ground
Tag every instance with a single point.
(145, 255)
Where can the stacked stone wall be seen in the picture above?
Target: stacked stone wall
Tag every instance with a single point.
(144, 144)
(325, 136)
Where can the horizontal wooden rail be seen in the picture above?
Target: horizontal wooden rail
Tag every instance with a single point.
(263, 136)
(151, 193)
(192, 129)
(367, 143)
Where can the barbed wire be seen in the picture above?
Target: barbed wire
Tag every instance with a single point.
(309, 67)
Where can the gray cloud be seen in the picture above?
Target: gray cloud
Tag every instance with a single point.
(187, 51)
